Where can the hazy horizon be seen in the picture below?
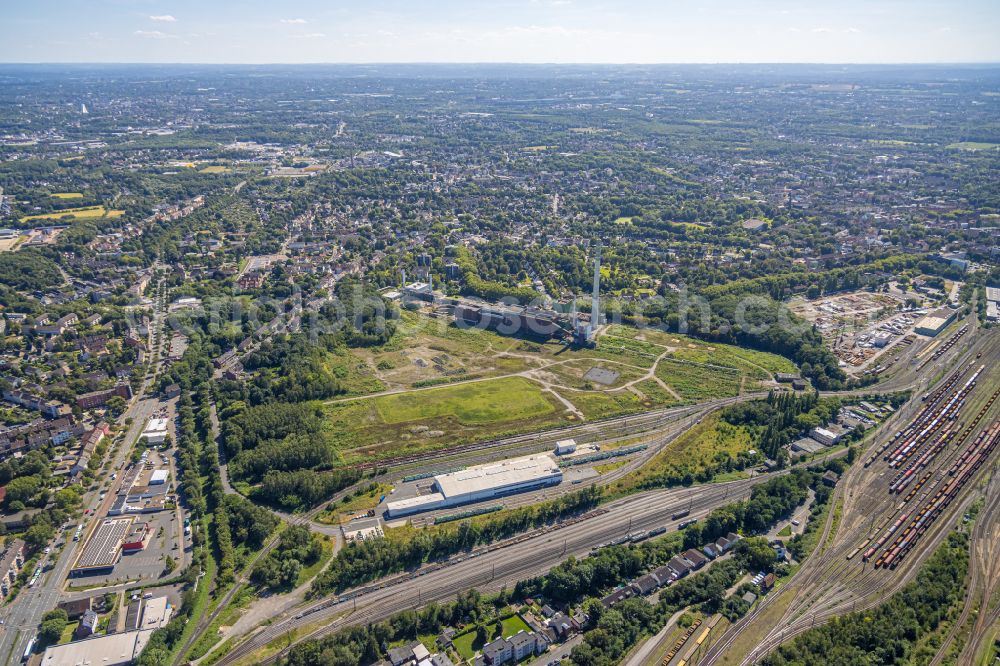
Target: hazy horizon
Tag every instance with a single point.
(507, 31)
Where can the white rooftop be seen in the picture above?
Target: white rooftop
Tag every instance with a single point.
(156, 613)
(496, 475)
(420, 500)
(110, 650)
(156, 425)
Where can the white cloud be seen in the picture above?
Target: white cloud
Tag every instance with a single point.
(821, 30)
(163, 18)
(853, 30)
(153, 34)
(294, 21)
(314, 35)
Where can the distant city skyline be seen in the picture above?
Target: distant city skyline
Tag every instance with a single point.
(529, 31)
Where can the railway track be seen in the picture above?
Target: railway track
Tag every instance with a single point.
(339, 614)
(984, 578)
(488, 568)
(837, 580)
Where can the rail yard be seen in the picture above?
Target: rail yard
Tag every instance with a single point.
(916, 480)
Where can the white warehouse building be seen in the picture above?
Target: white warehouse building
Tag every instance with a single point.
(482, 482)
(156, 431)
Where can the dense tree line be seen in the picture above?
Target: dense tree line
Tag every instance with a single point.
(28, 270)
(291, 368)
(360, 562)
(282, 447)
(781, 418)
(251, 427)
(769, 502)
(297, 548)
(302, 488)
(760, 323)
(779, 285)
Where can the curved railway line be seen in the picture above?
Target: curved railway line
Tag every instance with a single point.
(957, 423)
(490, 567)
(982, 580)
(529, 555)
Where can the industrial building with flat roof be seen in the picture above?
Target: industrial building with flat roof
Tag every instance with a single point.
(156, 431)
(104, 548)
(936, 322)
(115, 649)
(149, 481)
(110, 650)
(482, 482)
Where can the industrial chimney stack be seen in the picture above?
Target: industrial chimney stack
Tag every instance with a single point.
(595, 302)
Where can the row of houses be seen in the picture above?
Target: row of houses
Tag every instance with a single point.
(100, 398)
(678, 567)
(52, 409)
(77, 461)
(36, 434)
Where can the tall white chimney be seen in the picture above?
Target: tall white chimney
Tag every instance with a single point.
(595, 301)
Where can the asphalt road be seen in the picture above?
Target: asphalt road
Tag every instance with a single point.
(22, 616)
(535, 555)
(490, 568)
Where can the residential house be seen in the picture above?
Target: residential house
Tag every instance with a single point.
(88, 624)
(696, 559)
(100, 398)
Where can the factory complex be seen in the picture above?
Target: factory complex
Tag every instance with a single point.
(482, 482)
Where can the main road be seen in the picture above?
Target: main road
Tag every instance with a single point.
(22, 616)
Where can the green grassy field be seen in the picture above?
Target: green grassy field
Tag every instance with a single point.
(693, 452)
(427, 351)
(67, 195)
(973, 145)
(602, 405)
(419, 421)
(84, 212)
(696, 383)
(506, 399)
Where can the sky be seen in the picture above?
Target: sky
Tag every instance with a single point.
(531, 31)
